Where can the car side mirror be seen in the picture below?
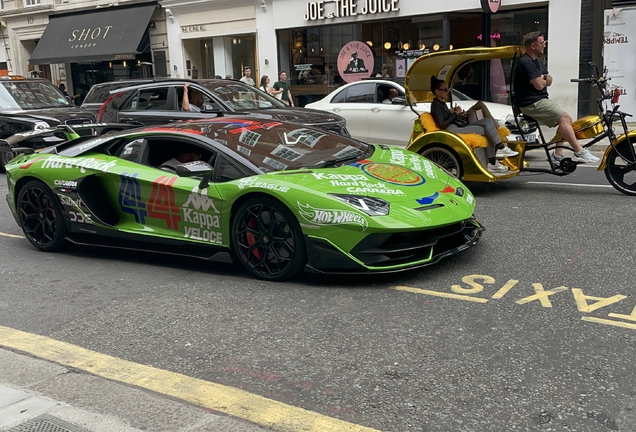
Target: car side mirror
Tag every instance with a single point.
(209, 107)
(195, 169)
(398, 101)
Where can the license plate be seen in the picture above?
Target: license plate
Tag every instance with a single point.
(529, 138)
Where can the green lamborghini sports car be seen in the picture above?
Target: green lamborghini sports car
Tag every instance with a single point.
(278, 197)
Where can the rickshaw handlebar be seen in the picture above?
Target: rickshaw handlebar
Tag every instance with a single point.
(582, 80)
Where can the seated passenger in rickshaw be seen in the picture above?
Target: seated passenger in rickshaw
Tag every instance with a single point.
(456, 121)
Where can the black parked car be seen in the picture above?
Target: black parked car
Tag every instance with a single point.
(159, 102)
(32, 104)
(99, 93)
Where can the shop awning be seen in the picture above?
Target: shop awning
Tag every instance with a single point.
(114, 33)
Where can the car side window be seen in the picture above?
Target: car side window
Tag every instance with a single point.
(134, 151)
(206, 97)
(162, 150)
(227, 171)
(339, 97)
(360, 93)
(149, 99)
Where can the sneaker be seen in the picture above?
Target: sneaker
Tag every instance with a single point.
(556, 159)
(585, 156)
(497, 168)
(506, 152)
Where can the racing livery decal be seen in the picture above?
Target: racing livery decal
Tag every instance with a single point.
(394, 174)
(196, 212)
(81, 162)
(129, 197)
(161, 204)
(330, 216)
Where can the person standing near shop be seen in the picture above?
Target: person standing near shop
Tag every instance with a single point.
(282, 87)
(247, 78)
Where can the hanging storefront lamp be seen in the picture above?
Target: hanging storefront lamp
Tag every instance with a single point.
(406, 46)
(370, 43)
(422, 47)
(450, 47)
(387, 45)
(435, 47)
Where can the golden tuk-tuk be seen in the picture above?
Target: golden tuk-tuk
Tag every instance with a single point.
(466, 159)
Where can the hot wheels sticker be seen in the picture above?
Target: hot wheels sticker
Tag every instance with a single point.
(330, 216)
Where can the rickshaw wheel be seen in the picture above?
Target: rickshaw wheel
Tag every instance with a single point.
(445, 158)
(620, 174)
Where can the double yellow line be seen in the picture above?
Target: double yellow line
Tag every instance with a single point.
(238, 403)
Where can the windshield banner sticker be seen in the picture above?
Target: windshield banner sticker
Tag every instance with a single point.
(330, 216)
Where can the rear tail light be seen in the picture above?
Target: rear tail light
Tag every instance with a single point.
(617, 94)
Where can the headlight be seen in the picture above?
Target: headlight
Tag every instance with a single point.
(368, 205)
(41, 125)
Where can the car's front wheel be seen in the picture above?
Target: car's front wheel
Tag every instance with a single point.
(41, 217)
(267, 239)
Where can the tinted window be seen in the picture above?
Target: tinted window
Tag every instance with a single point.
(99, 93)
(274, 146)
(340, 97)
(31, 95)
(241, 97)
(227, 171)
(149, 99)
(360, 93)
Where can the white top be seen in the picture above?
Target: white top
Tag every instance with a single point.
(247, 80)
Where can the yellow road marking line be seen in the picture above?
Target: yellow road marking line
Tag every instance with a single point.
(11, 235)
(218, 397)
(440, 294)
(610, 322)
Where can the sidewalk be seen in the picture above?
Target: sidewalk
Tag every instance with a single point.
(37, 395)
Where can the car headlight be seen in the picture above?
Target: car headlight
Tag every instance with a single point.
(40, 125)
(368, 205)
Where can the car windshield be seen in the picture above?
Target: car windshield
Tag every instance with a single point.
(242, 97)
(276, 146)
(28, 95)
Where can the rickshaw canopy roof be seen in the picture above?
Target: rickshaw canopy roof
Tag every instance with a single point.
(445, 64)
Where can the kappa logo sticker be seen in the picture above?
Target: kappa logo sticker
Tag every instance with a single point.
(331, 216)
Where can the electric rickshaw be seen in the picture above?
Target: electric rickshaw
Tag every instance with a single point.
(466, 159)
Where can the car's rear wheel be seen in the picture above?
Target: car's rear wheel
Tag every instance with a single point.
(267, 239)
(445, 158)
(41, 217)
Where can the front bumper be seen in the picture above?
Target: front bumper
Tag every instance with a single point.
(393, 252)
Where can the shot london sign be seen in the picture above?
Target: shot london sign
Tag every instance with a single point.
(345, 8)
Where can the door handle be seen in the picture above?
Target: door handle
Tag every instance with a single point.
(375, 109)
(126, 120)
(336, 109)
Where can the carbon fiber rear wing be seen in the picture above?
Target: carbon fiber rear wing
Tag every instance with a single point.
(27, 142)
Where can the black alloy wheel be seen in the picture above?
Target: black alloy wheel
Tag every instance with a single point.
(445, 158)
(267, 239)
(41, 217)
(621, 171)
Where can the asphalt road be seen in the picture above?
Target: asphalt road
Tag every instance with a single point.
(530, 330)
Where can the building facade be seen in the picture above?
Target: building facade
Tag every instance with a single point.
(80, 43)
(204, 39)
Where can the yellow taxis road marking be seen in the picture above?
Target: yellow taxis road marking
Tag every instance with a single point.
(570, 184)
(440, 294)
(11, 235)
(232, 401)
(610, 322)
(584, 303)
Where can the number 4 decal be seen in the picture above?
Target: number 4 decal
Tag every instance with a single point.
(161, 204)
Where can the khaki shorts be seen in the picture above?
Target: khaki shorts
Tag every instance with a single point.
(545, 111)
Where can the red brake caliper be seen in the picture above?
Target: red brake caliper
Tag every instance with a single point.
(251, 239)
